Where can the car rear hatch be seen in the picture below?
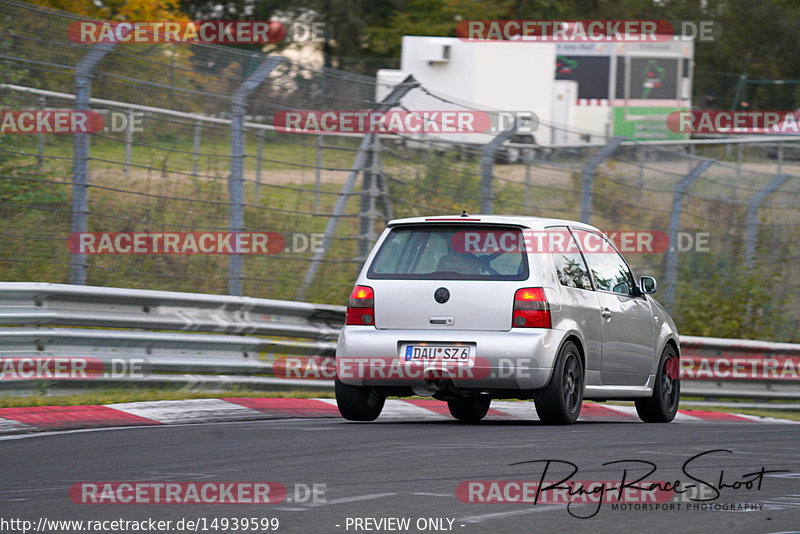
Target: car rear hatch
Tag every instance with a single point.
(448, 276)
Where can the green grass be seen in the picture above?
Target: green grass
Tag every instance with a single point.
(278, 152)
(158, 199)
(46, 257)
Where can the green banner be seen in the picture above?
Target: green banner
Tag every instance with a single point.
(645, 123)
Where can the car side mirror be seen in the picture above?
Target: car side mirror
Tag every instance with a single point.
(647, 285)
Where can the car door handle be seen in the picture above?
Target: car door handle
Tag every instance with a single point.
(606, 313)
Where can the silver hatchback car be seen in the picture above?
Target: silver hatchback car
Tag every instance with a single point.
(467, 309)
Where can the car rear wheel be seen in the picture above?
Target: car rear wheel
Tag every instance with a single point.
(469, 408)
(358, 403)
(663, 405)
(560, 402)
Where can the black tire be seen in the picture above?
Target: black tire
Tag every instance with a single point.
(560, 402)
(469, 408)
(663, 405)
(358, 403)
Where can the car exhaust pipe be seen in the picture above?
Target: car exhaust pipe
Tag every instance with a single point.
(425, 391)
(436, 382)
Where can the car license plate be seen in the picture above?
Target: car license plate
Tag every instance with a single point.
(459, 354)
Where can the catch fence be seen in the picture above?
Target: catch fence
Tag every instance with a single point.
(189, 146)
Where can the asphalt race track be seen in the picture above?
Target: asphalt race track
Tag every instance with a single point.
(395, 469)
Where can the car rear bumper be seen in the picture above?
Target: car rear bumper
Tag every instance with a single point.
(516, 359)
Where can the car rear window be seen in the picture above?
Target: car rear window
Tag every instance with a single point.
(451, 252)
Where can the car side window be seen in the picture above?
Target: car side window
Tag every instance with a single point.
(609, 270)
(570, 267)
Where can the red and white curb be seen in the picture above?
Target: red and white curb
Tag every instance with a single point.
(42, 418)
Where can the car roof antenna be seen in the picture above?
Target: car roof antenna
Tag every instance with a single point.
(464, 213)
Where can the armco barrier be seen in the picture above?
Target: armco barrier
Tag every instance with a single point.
(175, 337)
(739, 368)
(222, 340)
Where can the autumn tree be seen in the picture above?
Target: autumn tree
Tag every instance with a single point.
(138, 10)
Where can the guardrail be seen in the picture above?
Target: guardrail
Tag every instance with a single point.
(221, 339)
(739, 368)
(200, 339)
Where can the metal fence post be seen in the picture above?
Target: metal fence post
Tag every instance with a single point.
(369, 195)
(671, 270)
(318, 171)
(527, 185)
(488, 152)
(80, 157)
(128, 144)
(236, 182)
(587, 175)
(259, 157)
(738, 161)
(196, 148)
(40, 140)
(391, 100)
(752, 217)
(640, 157)
(383, 187)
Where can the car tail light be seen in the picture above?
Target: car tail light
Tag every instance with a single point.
(361, 307)
(531, 309)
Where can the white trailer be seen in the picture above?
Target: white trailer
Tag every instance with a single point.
(580, 92)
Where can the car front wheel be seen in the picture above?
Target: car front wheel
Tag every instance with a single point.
(663, 405)
(358, 403)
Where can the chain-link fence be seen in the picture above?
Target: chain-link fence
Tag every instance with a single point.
(189, 146)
